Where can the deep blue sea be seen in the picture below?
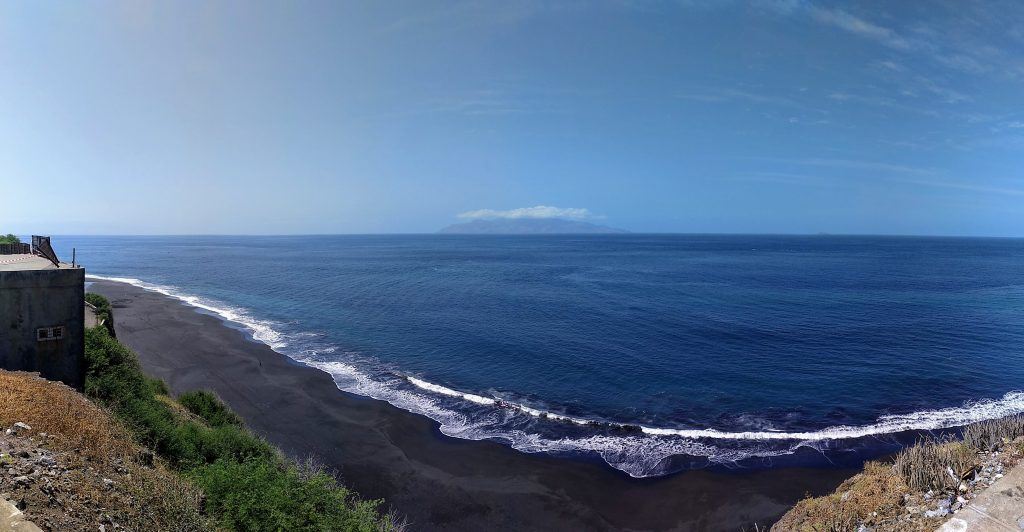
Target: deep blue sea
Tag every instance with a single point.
(652, 352)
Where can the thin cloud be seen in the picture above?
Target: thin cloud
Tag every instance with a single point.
(540, 211)
(966, 186)
(787, 178)
(947, 45)
(965, 63)
(858, 26)
(892, 65)
(723, 95)
(865, 165)
(947, 94)
(873, 166)
(881, 101)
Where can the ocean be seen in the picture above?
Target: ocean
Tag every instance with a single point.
(654, 353)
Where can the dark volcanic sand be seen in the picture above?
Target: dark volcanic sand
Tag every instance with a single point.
(437, 482)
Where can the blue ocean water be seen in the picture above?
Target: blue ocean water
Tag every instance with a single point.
(654, 352)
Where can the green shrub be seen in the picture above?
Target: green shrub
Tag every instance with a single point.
(248, 484)
(103, 311)
(114, 376)
(113, 373)
(157, 386)
(209, 407)
(260, 495)
(9, 239)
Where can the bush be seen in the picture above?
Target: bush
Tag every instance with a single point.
(114, 376)
(260, 495)
(9, 239)
(209, 407)
(927, 465)
(248, 484)
(990, 435)
(103, 311)
(157, 386)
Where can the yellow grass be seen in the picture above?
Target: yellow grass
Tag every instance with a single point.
(71, 420)
(878, 490)
(151, 497)
(875, 497)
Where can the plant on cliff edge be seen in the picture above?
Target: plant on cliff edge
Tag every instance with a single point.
(103, 311)
(248, 484)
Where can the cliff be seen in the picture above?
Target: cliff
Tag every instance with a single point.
(125, 454)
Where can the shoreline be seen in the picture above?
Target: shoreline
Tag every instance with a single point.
(436, 481)
(636, 449)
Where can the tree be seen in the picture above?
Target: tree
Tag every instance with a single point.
(9, 239)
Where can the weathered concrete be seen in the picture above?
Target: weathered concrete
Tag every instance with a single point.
(31, 299)
(25, 262)
(1000, 508)
(12, 520)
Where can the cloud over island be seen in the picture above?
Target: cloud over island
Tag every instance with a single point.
(538, 212)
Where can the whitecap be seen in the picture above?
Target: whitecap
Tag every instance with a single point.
(640, 453)
(261, 330)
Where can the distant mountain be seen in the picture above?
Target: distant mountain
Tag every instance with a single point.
(528, 226)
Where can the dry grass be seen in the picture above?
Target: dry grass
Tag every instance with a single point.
(72, 421)
(935, 465)
(877, 490)
(875, 497)
(151, 496)
(991, 435)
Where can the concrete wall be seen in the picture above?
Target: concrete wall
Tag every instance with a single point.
(31, 299)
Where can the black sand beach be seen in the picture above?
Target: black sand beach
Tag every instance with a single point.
(435, 481)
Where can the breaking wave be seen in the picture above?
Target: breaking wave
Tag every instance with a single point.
(261, 330)
(972, 412)
(635, 449)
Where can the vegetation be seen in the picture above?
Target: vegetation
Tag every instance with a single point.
(878, 489)
(929, 464)
(877, 495)
(9, 239)
(247, 484)
(103, 311)
(147, 496)
(993, 434)
(253, 494)
(209, 407)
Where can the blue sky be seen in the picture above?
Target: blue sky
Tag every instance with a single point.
(781, 116)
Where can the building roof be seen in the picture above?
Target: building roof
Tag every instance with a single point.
(26, 262)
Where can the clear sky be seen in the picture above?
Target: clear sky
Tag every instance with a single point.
(782, 116)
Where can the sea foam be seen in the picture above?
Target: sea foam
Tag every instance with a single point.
(261, 330)
(641, 452)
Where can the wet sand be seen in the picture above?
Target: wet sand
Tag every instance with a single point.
(437, 482)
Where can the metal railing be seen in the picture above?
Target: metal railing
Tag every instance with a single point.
(41, 247)
(15, 249)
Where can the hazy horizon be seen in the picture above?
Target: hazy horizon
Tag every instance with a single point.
(693, 117)
(626, 234)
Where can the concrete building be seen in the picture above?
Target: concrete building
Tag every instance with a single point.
(42, 313)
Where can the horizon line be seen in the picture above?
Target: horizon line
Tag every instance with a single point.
(467, 235)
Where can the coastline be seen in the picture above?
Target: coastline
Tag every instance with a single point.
(434, 480)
